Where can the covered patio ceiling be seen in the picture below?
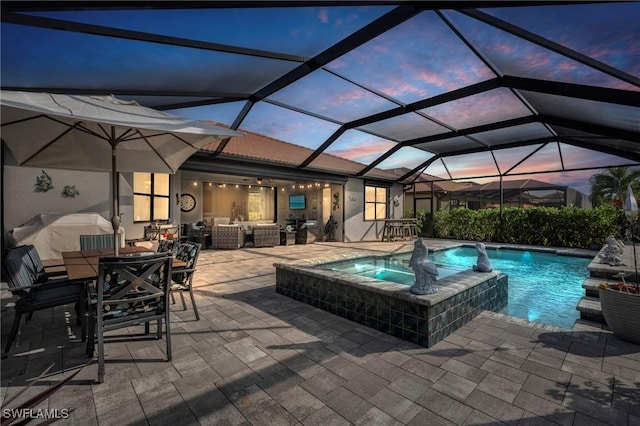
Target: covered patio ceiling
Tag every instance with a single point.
(455, 89)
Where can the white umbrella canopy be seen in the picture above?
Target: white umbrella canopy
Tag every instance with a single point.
(99, 133)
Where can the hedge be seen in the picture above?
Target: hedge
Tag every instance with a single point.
(543, 226)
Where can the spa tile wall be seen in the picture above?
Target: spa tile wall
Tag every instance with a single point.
(407, 320)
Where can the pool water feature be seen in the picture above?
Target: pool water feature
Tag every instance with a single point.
(543, 286)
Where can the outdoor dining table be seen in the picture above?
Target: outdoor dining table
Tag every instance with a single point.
(83, 264)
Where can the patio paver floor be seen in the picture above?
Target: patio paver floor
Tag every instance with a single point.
(257, 357)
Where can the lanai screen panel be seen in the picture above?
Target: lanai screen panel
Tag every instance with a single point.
(508, 158)
(359, 146)
(417, 59)
(576, 157)
(482, 108)
(326, 95)
(277, 70)
(608, 114)
(607, 32)
(457, 143)
(287, 125)
(405, 127)
(224, 113)
(516, 56)
(524, 132)
(546, 159)
(52, 58)
(405, 157)
(471, 165)
(290, 30)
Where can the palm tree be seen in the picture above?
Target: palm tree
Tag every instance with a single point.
(610, 185)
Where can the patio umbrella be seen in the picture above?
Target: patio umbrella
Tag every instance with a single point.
(99, 133)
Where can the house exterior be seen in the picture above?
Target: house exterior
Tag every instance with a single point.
(222, 185)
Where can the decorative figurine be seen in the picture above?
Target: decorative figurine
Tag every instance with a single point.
(330, 229)
(43, 182)
(70, 191)
(336, 201)
(482, 264)
(611, 253)
(425, 270)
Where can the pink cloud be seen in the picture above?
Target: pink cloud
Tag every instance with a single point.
(323, 16)
(347, 96)
(567, 66)
(370, 149)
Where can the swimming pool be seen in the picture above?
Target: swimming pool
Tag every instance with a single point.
(543, 287)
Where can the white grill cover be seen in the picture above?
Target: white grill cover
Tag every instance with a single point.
(53, 233)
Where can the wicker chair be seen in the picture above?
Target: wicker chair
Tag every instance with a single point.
(267, 235)
(227, 237)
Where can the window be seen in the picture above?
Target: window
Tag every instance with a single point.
(375, 203)
(150, 197)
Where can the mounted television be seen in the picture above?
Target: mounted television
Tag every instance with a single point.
(297, 202)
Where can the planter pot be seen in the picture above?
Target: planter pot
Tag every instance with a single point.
(621, 311)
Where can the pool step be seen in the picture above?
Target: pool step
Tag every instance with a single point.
(589, 308)
(591, 284)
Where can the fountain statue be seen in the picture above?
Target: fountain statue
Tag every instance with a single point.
(424, 269)
(611, 253)
(482, 264)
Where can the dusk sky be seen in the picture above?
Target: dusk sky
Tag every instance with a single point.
(418, 59)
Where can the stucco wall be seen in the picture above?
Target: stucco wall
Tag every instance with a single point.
(356, 228)
(21, 202)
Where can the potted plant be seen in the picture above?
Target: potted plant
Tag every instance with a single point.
(620, 303)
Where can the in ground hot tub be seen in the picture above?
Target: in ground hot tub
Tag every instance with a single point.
(390, 307)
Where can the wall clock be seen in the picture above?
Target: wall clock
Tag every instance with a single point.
(187, 202)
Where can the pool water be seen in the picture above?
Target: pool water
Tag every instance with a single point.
(393, 268)
(543, 287)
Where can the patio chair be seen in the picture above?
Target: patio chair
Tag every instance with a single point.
(95, 242)
(182, 278)
(36, 292)
(266, 235)
(131, 290)
(53, 269)
(168, 245)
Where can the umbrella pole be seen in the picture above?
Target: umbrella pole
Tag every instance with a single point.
(115, 219)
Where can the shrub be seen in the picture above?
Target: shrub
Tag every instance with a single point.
(546, 226)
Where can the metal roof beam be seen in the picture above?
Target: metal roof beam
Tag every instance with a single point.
(322, 147)
(379, 160)
(55, 5)
(580, 91)
(581, 143)
(585, 126)
(59, 24)
(471, 130)
(415, 170)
